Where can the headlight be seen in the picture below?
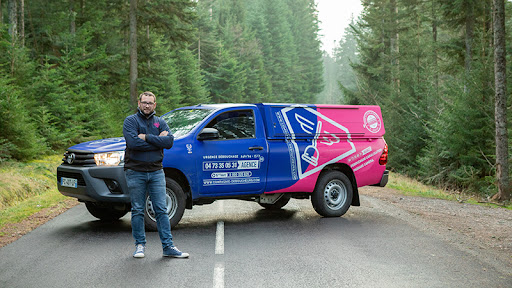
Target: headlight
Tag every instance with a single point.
(109, 158)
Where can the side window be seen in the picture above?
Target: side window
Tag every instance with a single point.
(234, 124)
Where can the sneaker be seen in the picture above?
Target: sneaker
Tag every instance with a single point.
(172, 251)
(139, 251)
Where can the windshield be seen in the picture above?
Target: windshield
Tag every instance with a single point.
(182, 121)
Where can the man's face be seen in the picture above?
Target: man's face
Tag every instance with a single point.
(147, 104)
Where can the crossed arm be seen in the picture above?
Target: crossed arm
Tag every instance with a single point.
(146, 142)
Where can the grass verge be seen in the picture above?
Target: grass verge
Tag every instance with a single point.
(27, 188)
(411, 187)
(31, 206)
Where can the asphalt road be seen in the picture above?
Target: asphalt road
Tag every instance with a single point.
(239, 244)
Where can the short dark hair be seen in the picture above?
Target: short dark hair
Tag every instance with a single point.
(147, 93)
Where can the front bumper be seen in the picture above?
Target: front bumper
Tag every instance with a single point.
(95, 184)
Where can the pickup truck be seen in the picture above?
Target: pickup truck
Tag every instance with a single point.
(262, 152)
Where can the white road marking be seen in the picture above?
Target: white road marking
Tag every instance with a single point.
(218, 276)
(218, 271)
(219, 239)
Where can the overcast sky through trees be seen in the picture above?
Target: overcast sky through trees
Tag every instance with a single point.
(334, 16)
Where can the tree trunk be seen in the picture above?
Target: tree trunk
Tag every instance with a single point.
(34, 38)
(501, 102)
(133, 53)
(1, 13)
(13, 19)
(434, 39)
(22, 22)
(470, 23)
(13, 27)
(72, 23)
(81, 13)
(394, 47)
(147, 38)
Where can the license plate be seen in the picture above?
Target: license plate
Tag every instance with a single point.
(68, 182)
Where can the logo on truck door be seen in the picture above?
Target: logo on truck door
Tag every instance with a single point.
(301, 125)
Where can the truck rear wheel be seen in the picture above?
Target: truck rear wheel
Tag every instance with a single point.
(333, 194)
(175, 206)
(106, 211)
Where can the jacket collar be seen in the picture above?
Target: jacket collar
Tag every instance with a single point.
(144, 115)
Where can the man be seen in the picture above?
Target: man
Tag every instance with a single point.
(146, 136)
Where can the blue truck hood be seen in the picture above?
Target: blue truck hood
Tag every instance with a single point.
(102, 145)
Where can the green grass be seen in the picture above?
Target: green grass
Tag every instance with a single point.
(27, 188)
(30, 206)
(19, 181)
(411, 187)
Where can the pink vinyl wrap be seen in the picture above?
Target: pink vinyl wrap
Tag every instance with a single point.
(351, 135)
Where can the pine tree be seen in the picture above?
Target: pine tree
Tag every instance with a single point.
(17, 139)
(278, 49)
(228, 82)
(190, 79)
(308, 68)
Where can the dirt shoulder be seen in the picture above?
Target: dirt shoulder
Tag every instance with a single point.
(482, 228)
(12, 232)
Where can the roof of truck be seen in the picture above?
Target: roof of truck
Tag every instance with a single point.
(217, 106)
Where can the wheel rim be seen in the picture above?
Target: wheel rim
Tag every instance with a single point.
(171, 205)
(335, 194)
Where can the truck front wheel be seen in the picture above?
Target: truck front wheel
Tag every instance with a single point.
(175, 201)
(333, 194)
(106, 211)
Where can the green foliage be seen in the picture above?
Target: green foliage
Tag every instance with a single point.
(190, 79)
(69, 82)
(228, 82)
(429, 65)
(157, 68)
(260, 51)
(17, 139)
(460, 151)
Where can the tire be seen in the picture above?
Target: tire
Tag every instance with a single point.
(333, 194)
(106, 211)
(279, 203)
(175, 206)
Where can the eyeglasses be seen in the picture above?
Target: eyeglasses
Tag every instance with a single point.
(144, 103)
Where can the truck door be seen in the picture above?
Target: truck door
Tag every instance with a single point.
(235, 163)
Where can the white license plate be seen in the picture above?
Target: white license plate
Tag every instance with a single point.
(68, 182)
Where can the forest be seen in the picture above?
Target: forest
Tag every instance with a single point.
(430, 65)
(70, 70)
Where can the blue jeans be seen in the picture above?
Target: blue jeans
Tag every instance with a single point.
(152, 183)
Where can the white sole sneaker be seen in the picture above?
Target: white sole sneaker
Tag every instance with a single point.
(183, 255)
(139, 251)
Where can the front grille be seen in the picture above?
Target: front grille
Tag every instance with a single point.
(79, 158)
(77, 176)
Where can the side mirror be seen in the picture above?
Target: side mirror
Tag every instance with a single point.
(208, 134)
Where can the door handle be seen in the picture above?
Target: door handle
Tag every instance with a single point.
(255, 148)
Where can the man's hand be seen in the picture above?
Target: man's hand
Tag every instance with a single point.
(164, 133)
